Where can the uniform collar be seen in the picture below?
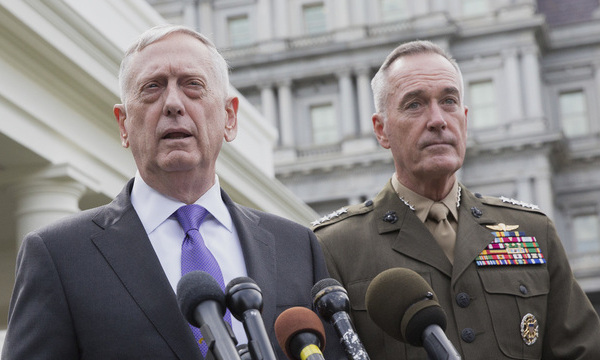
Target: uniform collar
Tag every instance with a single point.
(421, 205)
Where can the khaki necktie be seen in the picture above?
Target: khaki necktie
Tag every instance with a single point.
(441, 229)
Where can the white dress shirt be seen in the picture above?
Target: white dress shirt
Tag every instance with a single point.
(156, 211)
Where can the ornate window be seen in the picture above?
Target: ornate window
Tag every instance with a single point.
(482, 106)
(573, 113)
(392, 10)
(239, 31)
(315, 20)
(324, 125)
(586, 233)
(474, 7)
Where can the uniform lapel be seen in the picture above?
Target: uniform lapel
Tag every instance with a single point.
(258, 246)
(413, 239)
(126, 247)
(472, 236)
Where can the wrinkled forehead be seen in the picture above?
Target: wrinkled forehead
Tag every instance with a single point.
(174, 48)
(423, 72)
(423, 67)
(175, 54)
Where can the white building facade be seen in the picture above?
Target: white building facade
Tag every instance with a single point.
(60, 150)
(532, 84)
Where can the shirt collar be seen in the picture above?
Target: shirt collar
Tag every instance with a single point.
(421, 205)
(154, 208)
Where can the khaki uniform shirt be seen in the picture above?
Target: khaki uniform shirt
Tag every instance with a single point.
(485, 305)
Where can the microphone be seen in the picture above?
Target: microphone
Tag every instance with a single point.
(403, 304)
(244, 352)
(244, 299)
(202, 303)
(300, 334)
(332, 303)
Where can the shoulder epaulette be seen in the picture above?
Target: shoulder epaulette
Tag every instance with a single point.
(342, 213)
(512, 203)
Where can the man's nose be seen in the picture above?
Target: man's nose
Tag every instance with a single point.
(173, 102)
(436, 119)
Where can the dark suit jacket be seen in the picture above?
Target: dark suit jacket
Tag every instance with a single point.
(484, 305)
(92, 287)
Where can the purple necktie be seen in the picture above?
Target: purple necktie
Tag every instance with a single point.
(196, 256)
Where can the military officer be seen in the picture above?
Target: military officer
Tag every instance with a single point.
(496, 265)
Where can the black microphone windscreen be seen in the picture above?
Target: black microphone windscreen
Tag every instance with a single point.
(396, 300)
(242, 294)
(294, 321)
(194, 288)
(323, 284)
(238, 280)
(329, 297)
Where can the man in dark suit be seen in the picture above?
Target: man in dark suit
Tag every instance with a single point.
(100, 284)
(496, 265)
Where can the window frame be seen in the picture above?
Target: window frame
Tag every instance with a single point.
(577, 241)
(250, 39)
(334, 125)
(382, 12)
(475, 13)
(560, 114)
(305, 29)
(493, 103)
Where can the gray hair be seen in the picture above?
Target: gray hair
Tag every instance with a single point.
(220, 68)
(380, 85)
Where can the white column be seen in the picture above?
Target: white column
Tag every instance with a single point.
(354, 200)
(420, 7)
(439, 5)
(190, 14)
(39, 202)
(340, 16)
(524, 189)
(347, 104)
(366, 107)
(286, 113)
(359, 11)
(513, 85)
(265, 28)
(543, 193)
(205, 16)
(268, 105)
(597, 79)
(281, 19)
(532, 83)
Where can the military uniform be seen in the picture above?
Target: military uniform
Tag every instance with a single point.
(487, 305)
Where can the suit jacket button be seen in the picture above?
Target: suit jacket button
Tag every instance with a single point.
(523, 289)
(468, 335)
(463, 299)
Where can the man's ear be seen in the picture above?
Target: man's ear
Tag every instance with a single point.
(121, 115)
(231, 107)
(379, 130)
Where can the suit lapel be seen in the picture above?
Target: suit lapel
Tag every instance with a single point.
(258, 246)
(413, 239)
(126, 247)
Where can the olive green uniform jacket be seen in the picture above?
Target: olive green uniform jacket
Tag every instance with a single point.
(484, 305)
